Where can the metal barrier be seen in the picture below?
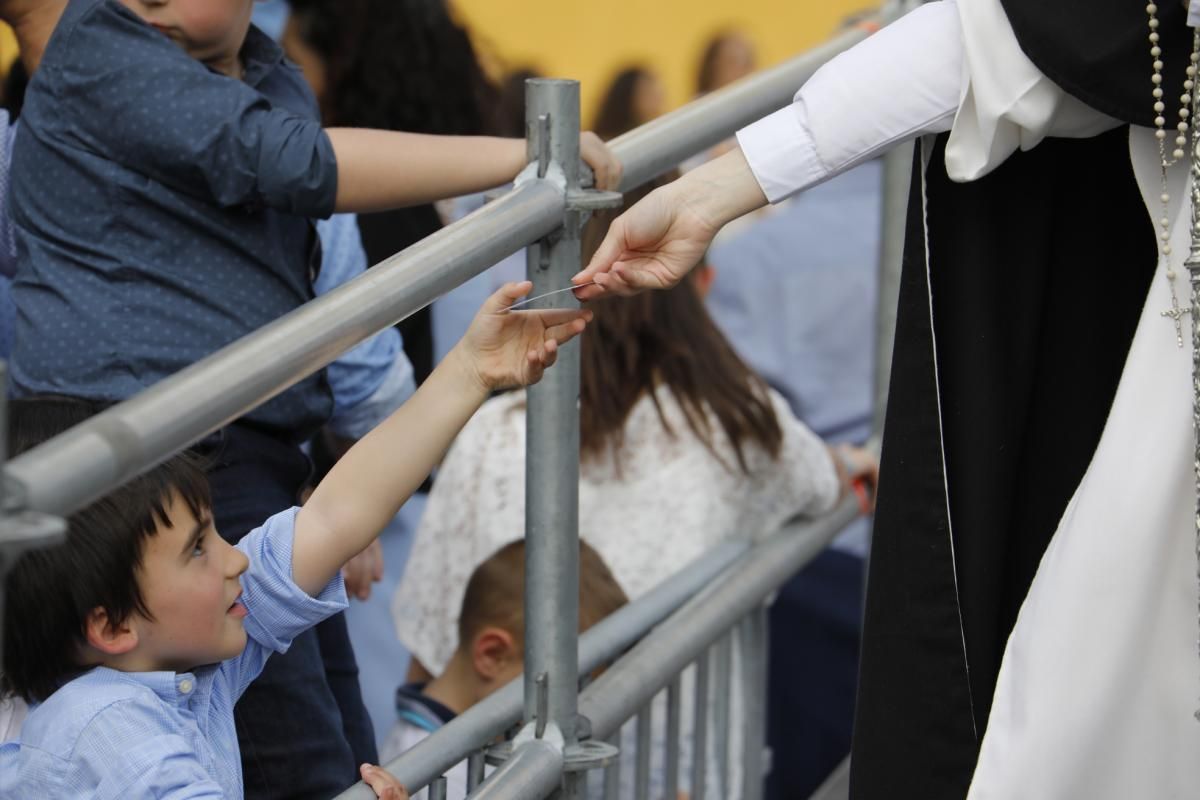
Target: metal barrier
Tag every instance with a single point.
(563, 732)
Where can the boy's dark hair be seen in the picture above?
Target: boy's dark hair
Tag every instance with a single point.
(50, 592)
(495, 594)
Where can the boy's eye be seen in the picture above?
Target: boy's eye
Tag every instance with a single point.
(198, 549)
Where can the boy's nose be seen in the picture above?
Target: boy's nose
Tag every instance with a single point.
(237, 563)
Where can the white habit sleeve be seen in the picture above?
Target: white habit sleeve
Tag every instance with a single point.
(902, 82)
(948, 65)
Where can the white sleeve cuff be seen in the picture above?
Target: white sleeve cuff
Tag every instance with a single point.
(902, 82)
(781, 153)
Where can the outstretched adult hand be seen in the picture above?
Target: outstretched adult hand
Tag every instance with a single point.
(651, 246)
(657, 241)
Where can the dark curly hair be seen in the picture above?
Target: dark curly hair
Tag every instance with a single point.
(397, 64)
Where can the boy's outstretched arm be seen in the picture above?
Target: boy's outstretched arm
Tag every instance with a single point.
(366, 488)
(380, 170)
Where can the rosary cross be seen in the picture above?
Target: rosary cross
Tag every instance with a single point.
(1175, 313)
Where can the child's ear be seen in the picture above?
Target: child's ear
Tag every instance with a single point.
(109, 638)
(493, 652)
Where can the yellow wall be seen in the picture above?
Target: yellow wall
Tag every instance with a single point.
(590, 40)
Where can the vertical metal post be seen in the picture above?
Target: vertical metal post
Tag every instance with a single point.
(552, 446)
(642, 768)
(753, 634)
(612, 774)
(671, 779)
(897, 176)
(437, 789)
(475, 769)
(722, 653)
(700, 729)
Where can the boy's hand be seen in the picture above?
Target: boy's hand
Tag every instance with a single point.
(513, 348)
(383, 782)
(604, 164)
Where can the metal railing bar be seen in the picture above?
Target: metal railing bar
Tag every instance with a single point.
(103, 453)
(624, 687)
(491, 717)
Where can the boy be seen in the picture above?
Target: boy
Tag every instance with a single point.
(489, 655)
(164, 175)
(156, 625)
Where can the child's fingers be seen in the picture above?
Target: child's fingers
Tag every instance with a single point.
(506, 295)
(558, 316)
(382, 782)
(561, 334)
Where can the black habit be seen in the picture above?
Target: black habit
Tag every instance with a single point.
(1011, 338)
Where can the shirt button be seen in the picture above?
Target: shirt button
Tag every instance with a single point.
(185, 686)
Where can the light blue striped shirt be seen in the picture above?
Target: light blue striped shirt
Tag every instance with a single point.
(110, 735)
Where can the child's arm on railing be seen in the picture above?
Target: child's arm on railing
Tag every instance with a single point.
(366, 488)
(379, 170)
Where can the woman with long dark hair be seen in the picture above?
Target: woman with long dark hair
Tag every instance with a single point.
(635, 96)
(397, 65)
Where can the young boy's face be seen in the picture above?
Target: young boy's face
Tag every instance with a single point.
(208, 30)
(189, 581)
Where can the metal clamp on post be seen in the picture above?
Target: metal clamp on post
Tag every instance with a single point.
(584, 198)
(20, 529)
(582, 756)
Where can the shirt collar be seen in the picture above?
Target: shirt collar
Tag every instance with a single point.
(418, 708)
(260, 55)
(173, 688)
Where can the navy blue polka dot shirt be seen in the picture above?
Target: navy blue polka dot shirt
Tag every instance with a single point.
(162, 210)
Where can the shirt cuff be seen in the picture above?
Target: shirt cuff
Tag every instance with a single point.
(781, 153)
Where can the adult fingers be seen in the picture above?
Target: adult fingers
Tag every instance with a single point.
(608, 253)
(556, 316)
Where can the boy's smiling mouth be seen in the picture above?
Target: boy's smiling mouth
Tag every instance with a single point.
(236, 608)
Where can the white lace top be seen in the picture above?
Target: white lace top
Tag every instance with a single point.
(670, 503)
